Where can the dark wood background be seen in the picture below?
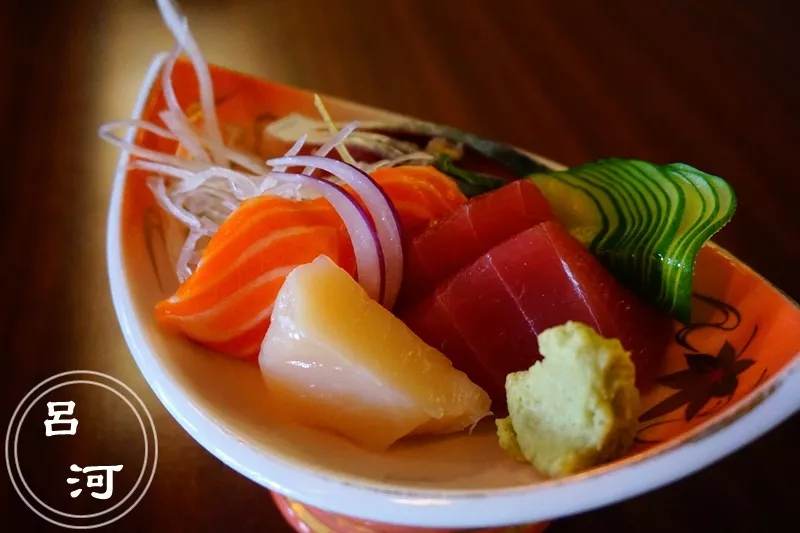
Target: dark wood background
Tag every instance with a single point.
(711, 83)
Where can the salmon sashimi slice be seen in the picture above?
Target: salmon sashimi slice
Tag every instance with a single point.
(337, 360)
(226, 303)
(420, 195)
(457, 240)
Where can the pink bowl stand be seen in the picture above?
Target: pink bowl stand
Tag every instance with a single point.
(305, 519)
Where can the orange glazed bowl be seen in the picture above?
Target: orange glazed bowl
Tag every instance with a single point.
(727, 378)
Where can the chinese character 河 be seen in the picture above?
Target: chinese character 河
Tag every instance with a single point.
(56, 410)
(106, 479)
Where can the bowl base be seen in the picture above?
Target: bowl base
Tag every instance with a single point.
(306, 519)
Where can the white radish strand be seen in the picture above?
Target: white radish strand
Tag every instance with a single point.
(159, 189)
(106, 129)
(243, 160)
(421, 157)
(106, 134)
(162, 168)
(294, 150)
(293, 189)
(242, 186)
(175, 119)
(187, 255)
(186, 137)
(337, 140)
(178, 25)
(362, 230)
(380, 208)
(334, 142)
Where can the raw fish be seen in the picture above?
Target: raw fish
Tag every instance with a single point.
(226, 303)
(335, 359)
(487, 317)
(453, 242)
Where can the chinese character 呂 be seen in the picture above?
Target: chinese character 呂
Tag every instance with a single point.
(56, 410)
(95, 480)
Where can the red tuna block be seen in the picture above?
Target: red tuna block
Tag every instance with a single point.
(462, 237)
(432, 322)
(536, 280)
(554, 279)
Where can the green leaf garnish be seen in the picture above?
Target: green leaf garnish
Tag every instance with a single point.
(470, 183)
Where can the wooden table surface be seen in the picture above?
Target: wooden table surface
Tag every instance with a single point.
(712, 83)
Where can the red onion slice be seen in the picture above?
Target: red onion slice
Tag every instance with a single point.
(366, 244)
(380, 208)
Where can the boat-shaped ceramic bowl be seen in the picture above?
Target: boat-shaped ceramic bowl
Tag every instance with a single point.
(728, 377)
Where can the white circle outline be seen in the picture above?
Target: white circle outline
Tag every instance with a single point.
(16, 448)
(155, 448)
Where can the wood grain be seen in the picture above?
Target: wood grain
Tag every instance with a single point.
(712, 83)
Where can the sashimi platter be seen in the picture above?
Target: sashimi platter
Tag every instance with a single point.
(378, 301)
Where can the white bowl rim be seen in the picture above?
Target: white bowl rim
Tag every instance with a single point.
(773, 402)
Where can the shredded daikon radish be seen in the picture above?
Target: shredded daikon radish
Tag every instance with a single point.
(294, 150)
(334, 142)
(186, 138)
(105, 129)
(183, 268)
(202, 189)
(244, 160)
(175, 119)
(161, 168)
(292, 189)
(106, 134)
(415, 157)
(179, 123)
(290, 127)
(159, 188)
(242, 185)
(179, 26)
(337, 142)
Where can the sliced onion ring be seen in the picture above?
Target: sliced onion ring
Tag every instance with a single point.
(380, 208)
(363, 234)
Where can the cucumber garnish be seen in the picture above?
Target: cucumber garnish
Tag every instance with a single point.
(646, 223)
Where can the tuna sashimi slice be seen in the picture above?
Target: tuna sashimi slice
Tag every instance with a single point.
(432, 322)
(489, 320)
(538, 279)
(454, 242)
(555, 279)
